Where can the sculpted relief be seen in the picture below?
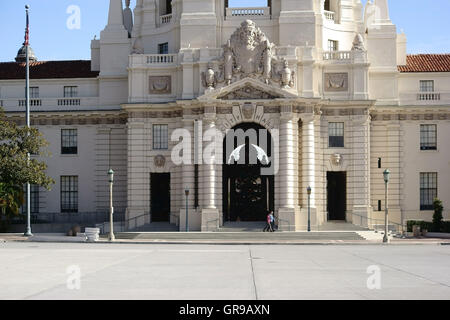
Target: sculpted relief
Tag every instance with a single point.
(248, 54)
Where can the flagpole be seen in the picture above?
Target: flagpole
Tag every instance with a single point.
(27, 98)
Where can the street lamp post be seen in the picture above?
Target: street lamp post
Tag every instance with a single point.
(27, 112)
(187, 212)
(386, 174)
(308, 190)
(111, 208)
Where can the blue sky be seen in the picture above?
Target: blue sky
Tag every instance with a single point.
(425, 23)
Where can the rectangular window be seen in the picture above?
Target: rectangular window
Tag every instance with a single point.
(336, 134)
(69, 193)
(428, 137)
(333, 45)
(426, 85)
(428, 190)
(160, 137)
(163, 48)
(69, 141)
(34, 198)
(70, 92)
(34, 92)
(379, 205)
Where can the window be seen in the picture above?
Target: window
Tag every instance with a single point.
(34, 92)
(69, 194)
(428, 137)
(426, 85)
(327, 5)
(168, 6)
(160, 137)
(333, 45)
(428, 190)
(34, 197)
(163, 48)
(379, 163)
(379, 205)
(336, 134)
(69, 141)
(70, 92)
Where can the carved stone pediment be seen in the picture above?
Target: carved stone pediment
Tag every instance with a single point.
(247, 93)
(248, 89)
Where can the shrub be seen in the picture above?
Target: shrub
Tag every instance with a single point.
(437, 216)
(445, 226)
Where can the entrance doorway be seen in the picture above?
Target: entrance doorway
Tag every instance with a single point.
(247, 194)
(160, 197)
(336, 195)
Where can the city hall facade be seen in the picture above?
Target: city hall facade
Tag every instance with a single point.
(328, 81)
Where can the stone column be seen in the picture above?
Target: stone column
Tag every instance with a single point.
(210, 213)
(361, 170)
(287, 173)
(188, 182)
(138, 173)
(308, 171)
(209, 170)
(309, 160)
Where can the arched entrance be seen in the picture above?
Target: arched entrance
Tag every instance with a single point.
(248, 194)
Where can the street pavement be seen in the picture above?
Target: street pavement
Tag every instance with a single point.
(153, 271)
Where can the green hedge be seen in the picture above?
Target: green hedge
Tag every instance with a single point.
(429, 226)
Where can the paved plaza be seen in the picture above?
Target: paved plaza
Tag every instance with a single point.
(120, 271)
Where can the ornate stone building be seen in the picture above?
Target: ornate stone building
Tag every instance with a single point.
(329, 80)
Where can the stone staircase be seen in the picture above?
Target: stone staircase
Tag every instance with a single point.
(265, 237)
(156, 227)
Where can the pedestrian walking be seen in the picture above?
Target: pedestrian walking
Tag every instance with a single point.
(272, 222)
(268, 226)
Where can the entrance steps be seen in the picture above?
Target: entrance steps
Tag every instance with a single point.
(242, 227)
(340, 226)
(240, 237)
(156, 227)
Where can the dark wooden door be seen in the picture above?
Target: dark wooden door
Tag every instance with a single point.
(160, 196)
(336, 195)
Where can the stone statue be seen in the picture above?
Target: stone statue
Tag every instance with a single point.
(249, 54)
(209, 77)
(287, 76)
(228, 63)
(138, 47)
(358, 43)
(267, 61)
(128, 18)
(249, 46)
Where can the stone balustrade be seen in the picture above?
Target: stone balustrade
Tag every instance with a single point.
(33, 103)
(330, 15)
(345, 56)
(165, 19)
(49, 104)
(428, 96)
(249, 12)
(161, 58)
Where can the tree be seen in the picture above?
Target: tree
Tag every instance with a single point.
(15, 168)
(437, 216)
